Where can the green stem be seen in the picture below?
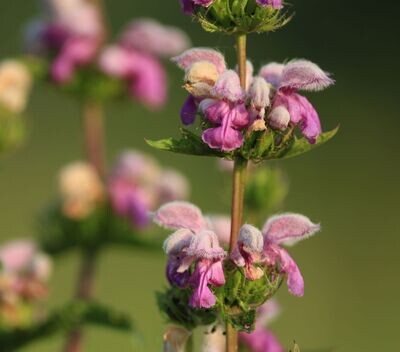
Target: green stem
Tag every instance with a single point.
(93, 140)
(239, 183)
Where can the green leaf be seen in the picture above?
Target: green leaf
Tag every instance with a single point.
(189, 143)
(302, 146)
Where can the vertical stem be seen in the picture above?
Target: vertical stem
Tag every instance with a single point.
(94, 147)
(84, 291)
(93, 135)
(93, 141)
(239, 182)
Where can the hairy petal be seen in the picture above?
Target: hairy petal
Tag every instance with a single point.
(228, 87)
(177, 215)
(272, 73)
(205, 245)
(288, 229)
(301, 113)
(191, 56)
(305, 75)
(177, 242)
(259, 94)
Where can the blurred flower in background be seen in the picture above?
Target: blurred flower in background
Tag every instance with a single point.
(23, 283)
(81, 190)
(139, 185)
(15, 86)
(134, 58)
(72, 38)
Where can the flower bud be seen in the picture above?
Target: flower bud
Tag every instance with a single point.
(81, 189)
(15, 82)
(200, 78)
(279, 118)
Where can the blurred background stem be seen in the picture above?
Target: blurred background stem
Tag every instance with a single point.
(93, 141)
(239, 182)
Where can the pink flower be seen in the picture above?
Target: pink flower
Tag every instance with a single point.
(138, 185)
(193, 244)
(16, 256)
(288, 79)
(216, 92)
(248, 251)
(287, 229)
(135, 58)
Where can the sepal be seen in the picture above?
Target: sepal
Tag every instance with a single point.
(240, 16)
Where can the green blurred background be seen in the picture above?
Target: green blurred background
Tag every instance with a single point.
(351, 185)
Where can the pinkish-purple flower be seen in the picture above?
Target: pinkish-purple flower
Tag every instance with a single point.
(193, 248)
(138, 185)
(287, 229)
(288, 79)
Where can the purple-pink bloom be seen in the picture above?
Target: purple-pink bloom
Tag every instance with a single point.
(288, 79)
(227, 111)
(193, 244)
(138, 185)
(135, 59)
(287, 229)
(248, 251)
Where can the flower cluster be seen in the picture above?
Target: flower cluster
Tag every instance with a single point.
(71, 33)
(270, 101)
(138, 185)
(23, 282)
(198, 261)
(73, 37)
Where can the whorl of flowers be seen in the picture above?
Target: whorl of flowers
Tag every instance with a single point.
(270, 100)
(198, 262)
(72, 36)
(23, 283)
